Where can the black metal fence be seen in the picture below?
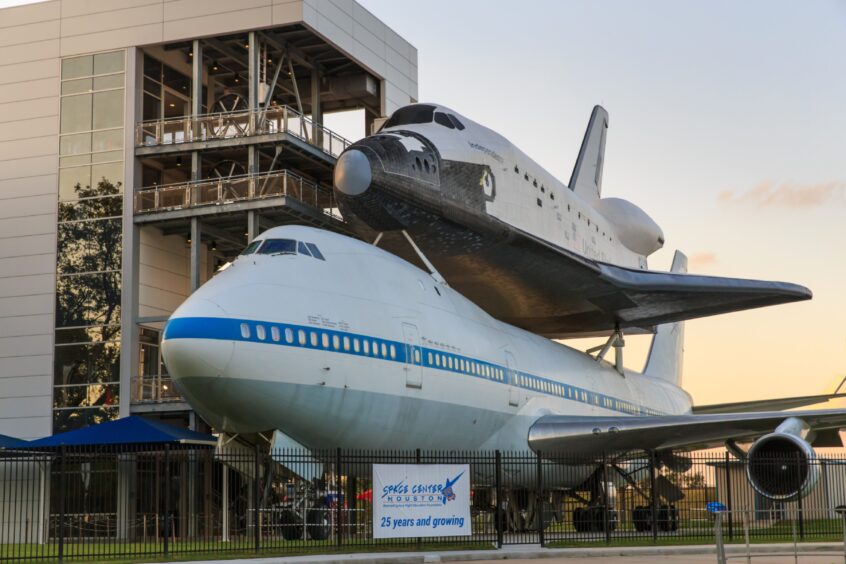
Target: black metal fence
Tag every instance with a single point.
(141, 502)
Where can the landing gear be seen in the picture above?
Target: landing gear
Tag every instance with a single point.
(667, 520)
(593, 519)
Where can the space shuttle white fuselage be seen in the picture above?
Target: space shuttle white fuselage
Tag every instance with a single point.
(555, 259)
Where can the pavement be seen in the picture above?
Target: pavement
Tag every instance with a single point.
(807, 553)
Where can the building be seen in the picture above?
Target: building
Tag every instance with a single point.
(142, 144)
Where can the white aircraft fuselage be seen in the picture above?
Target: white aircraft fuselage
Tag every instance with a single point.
(361, 349)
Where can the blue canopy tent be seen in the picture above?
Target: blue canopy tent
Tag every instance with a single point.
(9, 443)
(131, 430)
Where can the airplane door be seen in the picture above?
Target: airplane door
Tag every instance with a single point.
(413, 356)
(513, 390)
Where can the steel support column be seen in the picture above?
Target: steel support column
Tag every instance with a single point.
(316, 109)
(195, 253)
(253, 98)
(253, 225)
(196, 105)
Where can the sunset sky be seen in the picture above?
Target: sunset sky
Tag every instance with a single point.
(727, 126)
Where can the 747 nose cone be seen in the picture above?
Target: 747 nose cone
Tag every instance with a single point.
(352, 173)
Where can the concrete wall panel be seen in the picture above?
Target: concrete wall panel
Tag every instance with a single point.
(30, 13)
(23, 226)
(111, 39)
(115, 19)
(28, 186)
(19, 246)
(28, 90)
(32, 51)
(28, 147)
(26, 346)
(27, 33)
(33, 70)
(30, 285)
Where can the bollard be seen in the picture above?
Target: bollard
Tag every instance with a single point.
(718, 537)
(746, 536)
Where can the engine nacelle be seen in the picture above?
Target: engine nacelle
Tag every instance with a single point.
(783, 465)
(636, 230)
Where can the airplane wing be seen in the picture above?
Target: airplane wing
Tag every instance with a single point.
(589, 436)
(765, 405)
(568, 295)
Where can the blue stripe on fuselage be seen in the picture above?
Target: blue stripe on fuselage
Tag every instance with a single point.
(342, 342)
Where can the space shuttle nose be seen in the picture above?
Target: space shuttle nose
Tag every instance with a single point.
(352, 173)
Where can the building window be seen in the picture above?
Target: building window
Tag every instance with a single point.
(89, 241)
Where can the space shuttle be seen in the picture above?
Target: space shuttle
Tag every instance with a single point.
(555, 259)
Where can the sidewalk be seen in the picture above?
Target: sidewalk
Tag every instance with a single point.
(812, 553)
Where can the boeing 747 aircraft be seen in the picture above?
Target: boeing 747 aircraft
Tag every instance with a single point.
(336, 342)
(555, 259)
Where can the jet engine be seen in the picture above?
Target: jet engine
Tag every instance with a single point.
(783, 464)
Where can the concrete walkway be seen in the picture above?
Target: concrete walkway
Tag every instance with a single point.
(810, 553)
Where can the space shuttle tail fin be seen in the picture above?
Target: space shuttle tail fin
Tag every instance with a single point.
(586, 180)
(666, 355)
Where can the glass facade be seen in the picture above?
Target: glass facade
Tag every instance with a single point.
(89, 241)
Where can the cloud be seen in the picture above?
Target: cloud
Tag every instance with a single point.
(702, 259)
(786, 194)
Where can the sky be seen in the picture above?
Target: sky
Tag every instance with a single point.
(727, 126)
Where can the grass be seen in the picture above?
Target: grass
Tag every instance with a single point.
(180, 551)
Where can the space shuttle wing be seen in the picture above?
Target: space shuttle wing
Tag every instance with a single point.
(576, 296)
(587, 436)
(665, 297)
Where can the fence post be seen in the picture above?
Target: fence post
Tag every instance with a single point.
(256, 500)
(539, 509)
(728, 499)
(61, 503)
(799, 495)
(498, 517)
(338, 505)
(417, 459)
(653, 495)
(167, 500)
(606, 518)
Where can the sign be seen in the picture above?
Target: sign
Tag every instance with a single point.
(421, 500)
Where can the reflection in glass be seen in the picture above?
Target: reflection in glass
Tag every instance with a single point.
(108, 109)
(77, 66)
(76, 86)
(91, 208)
(106, 173)
(105, 63)
(75, 144)
(108, 82)
(107, 140)
(88, 299)
(76, 113)
(71, 179)
(89, 246)
(70, 419)
(87, 364)
(84, 335)
(87, 395)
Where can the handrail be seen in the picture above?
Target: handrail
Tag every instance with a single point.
(230, 125)
(230, 189)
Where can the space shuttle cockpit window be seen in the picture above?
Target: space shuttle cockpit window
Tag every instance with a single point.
(442, 119)
(418, 113)
(455, 121)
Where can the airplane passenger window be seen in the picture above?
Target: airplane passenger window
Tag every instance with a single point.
(302, 249)
(313, 339)
(324, 338)
(375, 348)
(449, 362)
(356, 345)
(437, 360)
(429, 358)
(416, 356)
(336, 342)
(366, 346)
(245, 330)
(289, 335)
(274, 333)
(384, 350)
(393, 351)
(251, 248)
(442, 119)
(455, 121)
(315, 252)
(346, 343)
(278, 247)
(260, 333)
(418, 113)
(301, 337)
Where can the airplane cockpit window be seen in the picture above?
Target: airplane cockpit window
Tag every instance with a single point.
(442, 119)
(315, 252)
(251, 248)
(302, 249)
(278, 247)
(455, 121)
(419, 113)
